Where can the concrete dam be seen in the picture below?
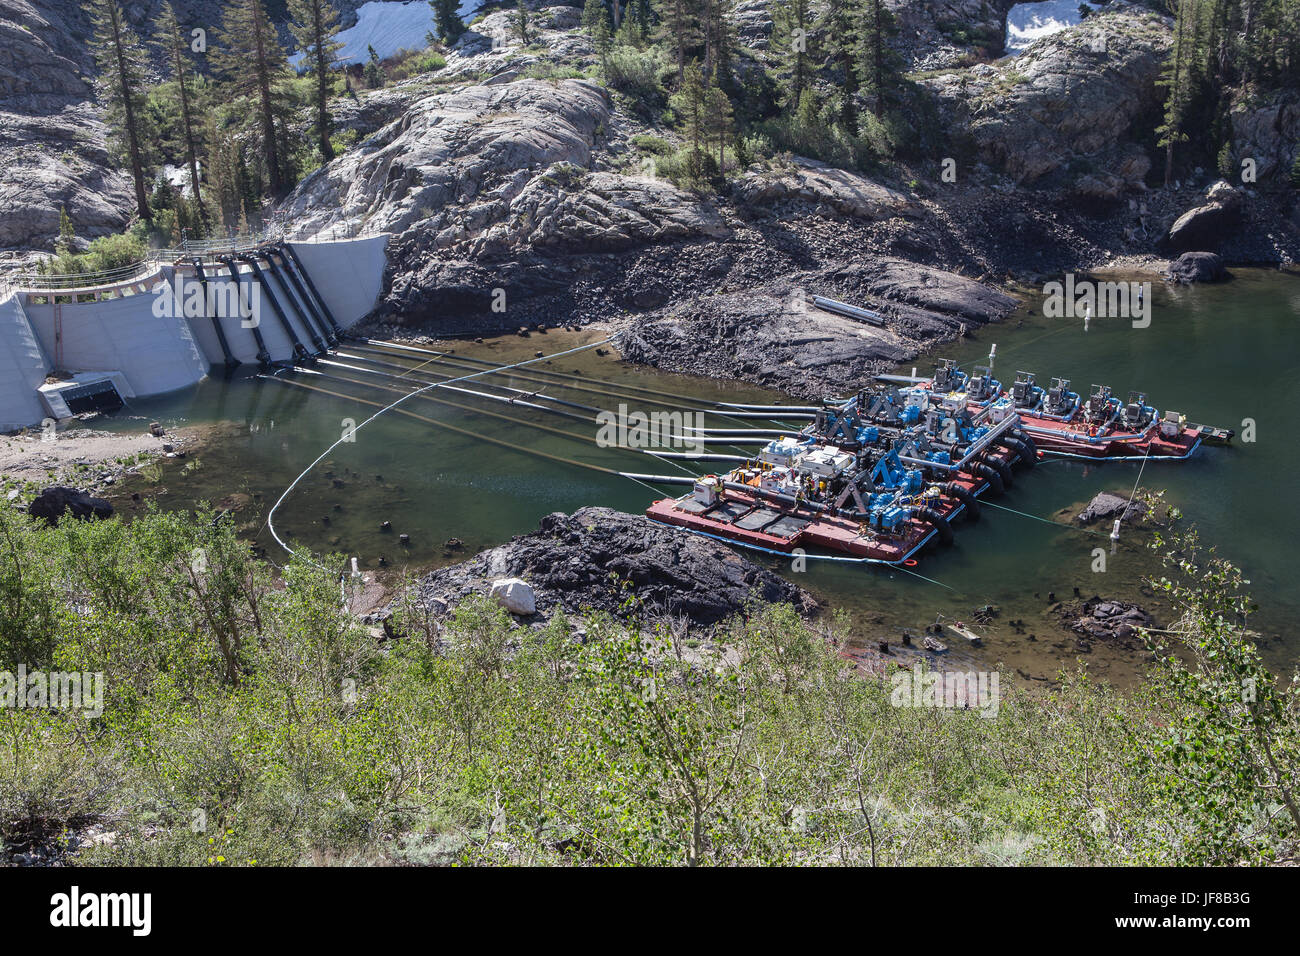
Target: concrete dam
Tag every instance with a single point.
(67, 350)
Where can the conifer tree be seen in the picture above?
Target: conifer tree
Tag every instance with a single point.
(679, 30)
(120, 57)
(521, 23)
(446, 20)
(315, 26)
(255, 65)
(171, 38)
(874, 58)
(720, 124)
(792, 39)
(690, 103)
(1176, 80)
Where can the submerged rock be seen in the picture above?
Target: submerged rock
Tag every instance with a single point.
(597, 558)
(53, 503)
(1102, 619)
(1107, 507)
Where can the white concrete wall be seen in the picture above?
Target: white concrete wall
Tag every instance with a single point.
(161, 353)
(156, 353)
(23, 367)
(348, 273)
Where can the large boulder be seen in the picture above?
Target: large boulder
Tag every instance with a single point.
(1072, 101)
(515, 595)
(53, 503)
(1206, 226)
(1107, 507)
(1197, 267)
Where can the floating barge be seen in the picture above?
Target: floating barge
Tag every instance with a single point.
(878, 477)
(874, 479)
(1064, 424)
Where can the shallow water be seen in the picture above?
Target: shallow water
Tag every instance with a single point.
(1220, 354)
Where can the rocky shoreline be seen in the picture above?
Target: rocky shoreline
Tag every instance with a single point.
(605, 560)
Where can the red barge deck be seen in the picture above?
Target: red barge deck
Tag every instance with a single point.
(751, 521)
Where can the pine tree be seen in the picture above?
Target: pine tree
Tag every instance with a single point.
(594, 12)
(679, 29)
(595, 20)
(67, 234)
(171, 38)
(837, 31)
(718, 40)
(721, 127)
(121, 60)
(791, 42)
(315, 26)
(255, 65)
(690, 103)
(521, 23)
(1176, 80)
(446, 20)
(874, 58)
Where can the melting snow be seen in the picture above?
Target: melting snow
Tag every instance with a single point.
(1027, 22)
(389, 27)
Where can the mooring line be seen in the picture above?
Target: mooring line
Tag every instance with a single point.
(1026, 514)
(350, 435)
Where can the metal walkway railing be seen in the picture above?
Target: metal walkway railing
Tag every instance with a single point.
(207, 250)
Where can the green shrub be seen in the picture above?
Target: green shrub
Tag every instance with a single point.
(654, 145)
(636, 73)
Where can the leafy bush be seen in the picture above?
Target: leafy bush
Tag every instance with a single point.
(654, 145)
(636, 73)
(247, 721)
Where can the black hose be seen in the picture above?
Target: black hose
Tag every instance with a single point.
(938, 521)
(1029, 442)
(980, 469)
(963, 494)
(1024, 454)
(1001, 467)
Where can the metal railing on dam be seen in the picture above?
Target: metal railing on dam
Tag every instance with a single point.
(206, 250)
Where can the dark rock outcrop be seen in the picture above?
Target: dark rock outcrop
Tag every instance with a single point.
(579, 561)
(1108, 507)
(1105, 620)
(53, 503)
(772, 335)
(1208, 225)
(1197, 267)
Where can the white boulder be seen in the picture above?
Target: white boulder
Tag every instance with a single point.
(515, 595)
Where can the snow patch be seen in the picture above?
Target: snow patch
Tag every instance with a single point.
(389, 27)
(1027, 22)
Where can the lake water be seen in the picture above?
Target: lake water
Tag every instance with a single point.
(1221, 354)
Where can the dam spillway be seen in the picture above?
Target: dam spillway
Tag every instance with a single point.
(171, 324)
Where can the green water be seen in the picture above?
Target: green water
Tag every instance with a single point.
(1221, 354)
